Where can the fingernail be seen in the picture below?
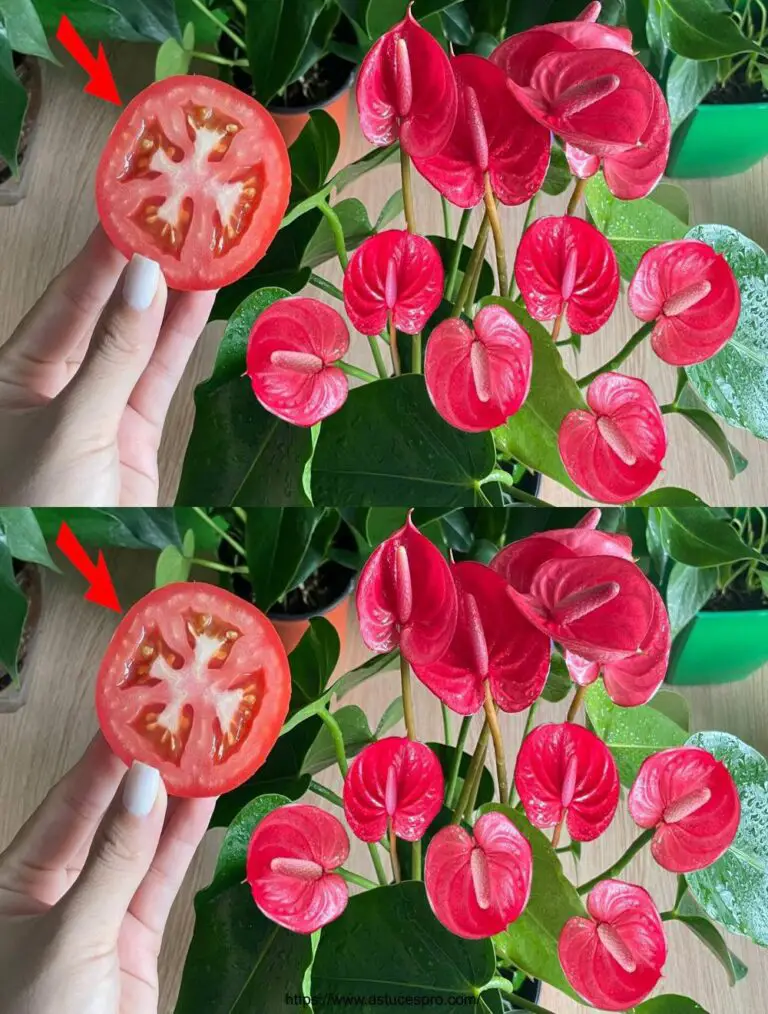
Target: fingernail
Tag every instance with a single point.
(140, 789)
(141, 280)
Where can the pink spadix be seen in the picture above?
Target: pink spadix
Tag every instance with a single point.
(403, 79)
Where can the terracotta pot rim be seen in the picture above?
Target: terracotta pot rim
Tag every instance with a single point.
(312, 613)
(304, 110)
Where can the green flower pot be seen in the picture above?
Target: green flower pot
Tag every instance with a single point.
(720, 648)
(720, 141)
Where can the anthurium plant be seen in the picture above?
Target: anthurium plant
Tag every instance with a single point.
(471, 395)
(466, 889)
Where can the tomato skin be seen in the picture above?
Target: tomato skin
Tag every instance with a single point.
(162, 118)
(130, 688)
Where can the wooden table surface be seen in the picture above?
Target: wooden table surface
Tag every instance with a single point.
(39, 236)
(45, 738)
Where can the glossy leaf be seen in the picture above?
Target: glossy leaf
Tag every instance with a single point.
(230, 862)
(699, 538)
(388, 442)
(692, 915)
(734, 890)
(127, 527)
(276, 35)
(692, 408)
(175, 564)
(173, 57)
(674, 706)
(276, 541)
(21, 531)
(669, 1003)
(23, 29)
(312, 155)
(688, 590)
(354, 730)
(688, 82)
(130, 20)
(312, 662)
(702, 31)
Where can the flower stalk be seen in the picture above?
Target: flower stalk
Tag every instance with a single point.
(453, 775)
(475, 260)
(624, 352)
(529, 213)
(355, 371)
(576, 196)
(492, 719)
(458, 246)
(407, 691)
(498, 236)
(475, 768)
(576, 704)
(405, 175)
(637, 845)
(355, 878)
(393, 349)
(337, 230)
(393, 853)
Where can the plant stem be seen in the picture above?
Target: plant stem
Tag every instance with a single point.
(526, 729)
(355, 878)
(405, 682)
(475, 765)
(476, 779)
(446, 724)
(506, 480)
(639, 843)
(241, 513)
(446, 217)
(668, 916)
(576, 196)
(221, 568)
(473, 285)
(475, 258)
(498, 743)
(325, 793)
(498, 236)
(405, 175)
(458, 246)
(505, 986)
(620, 356)
(393, 852)
(558, 830)
(453, 775)
(238, 41)
(355, 371)
(238, 548)
(338, 232)
(416, 860)
(576, 703)
(393, 349)
(558, 324)
(240, 4)
(378, 359)
(222, 61)
(529, 212)
(416, 353)
(322, 283)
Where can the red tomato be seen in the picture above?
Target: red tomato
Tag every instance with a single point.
(196, 683)
(196, 176)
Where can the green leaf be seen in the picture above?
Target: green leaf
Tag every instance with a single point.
(383, 14)
(669, 496)
(13, 104)
(632, 227)
(696, 536)
(674, 199)
(387, 444)
(392, 714)
(389, 944)
(694, 917)
(174, 58)
(530, 436)
(317, 43)
(230, 864)
(559, 683)
(487, 281)
(734, 890)
(130, 20)
(206, 32)
(126, 527)
(688, 590)
(312, 663)
(732, 383)
(24, 537)
(392, 207)
(446, 755)
(656, 549)
(276, 541)
(240, 962)
(558, 177)
(702, 30)
(631, 734)
(530, 943)
(688, 82)
(13, 612)
(355, 225)
(692, 408)
(312, 155)
(356, 734)
(362, 673)
(276, 33)
(173, 565)
(239, 452)
(670, 1003)
(23, 28)
(674, 706)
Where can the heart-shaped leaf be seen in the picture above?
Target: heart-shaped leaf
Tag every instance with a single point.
(230, 863)
(23, 28)
(698, 537)
(692, 408)
(173, 57)
(130, 20)
(312, 155)
(688, 82)
(734, 890)
(276, 541)
(174, 564)
(692, 915)
(276, 35)
(688, 590)
(702, 30)
(733, 382)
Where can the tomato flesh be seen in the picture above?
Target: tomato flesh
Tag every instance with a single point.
(196, 683)
(196, 176)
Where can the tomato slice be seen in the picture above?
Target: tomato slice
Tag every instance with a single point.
(195, 682)
(196, 176)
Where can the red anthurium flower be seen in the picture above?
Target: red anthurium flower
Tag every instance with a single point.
(692, 294)
(600, 100)
(615, 958)
(492, 135)
(634, 173)
(691, 800)
(291, 352)
(493, 642)
(397, 273)
(566, 264)
(406, 90)
(393, 781)
(290, 866)
(477, 377)
(600, 607)
(633, 680)
(566, 771)
(615, 451)
(477, 884)
(406, 597)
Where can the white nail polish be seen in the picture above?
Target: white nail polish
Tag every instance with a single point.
(141, 280)
(140, 789)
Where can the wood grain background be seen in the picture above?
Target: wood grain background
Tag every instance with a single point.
(39, 236)
(40, 742)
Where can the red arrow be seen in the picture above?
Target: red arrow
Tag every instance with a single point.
(102, 84)
(102, 591)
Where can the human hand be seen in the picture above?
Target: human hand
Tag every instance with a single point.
(87, 379)
(87, 886)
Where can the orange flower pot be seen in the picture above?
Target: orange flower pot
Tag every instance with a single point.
(291, 122)
(291, 630)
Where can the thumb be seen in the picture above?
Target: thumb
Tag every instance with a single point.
(122, 344)
(121, 855)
